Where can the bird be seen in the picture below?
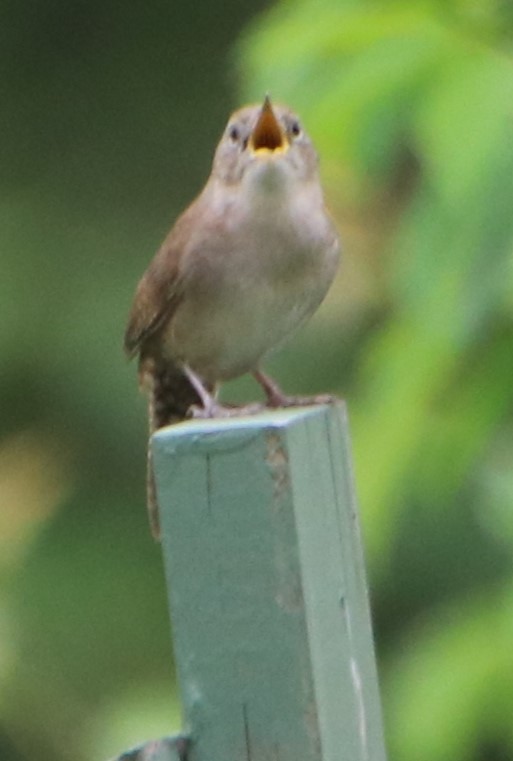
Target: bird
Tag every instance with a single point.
(247, 263)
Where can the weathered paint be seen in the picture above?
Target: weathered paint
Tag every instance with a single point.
(267, 588)
(166, 749)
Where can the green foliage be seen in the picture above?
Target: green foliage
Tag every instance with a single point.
(109, 117)
(411, 107)
(110, 114)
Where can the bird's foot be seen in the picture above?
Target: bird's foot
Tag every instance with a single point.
(216, 410)
(276, 397)
(283, 400)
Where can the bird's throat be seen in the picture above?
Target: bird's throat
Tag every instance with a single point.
(268, 177)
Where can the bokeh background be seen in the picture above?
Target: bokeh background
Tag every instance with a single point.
(109, 114)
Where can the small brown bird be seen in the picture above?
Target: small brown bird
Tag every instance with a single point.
(248, 262)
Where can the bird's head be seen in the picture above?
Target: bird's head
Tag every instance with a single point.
(264, 144)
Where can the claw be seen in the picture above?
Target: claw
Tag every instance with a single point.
(276, 397)
(302, 401)
(223, 411)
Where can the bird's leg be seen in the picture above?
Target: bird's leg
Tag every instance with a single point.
(210, 406)
(209, 403)
(276, 397)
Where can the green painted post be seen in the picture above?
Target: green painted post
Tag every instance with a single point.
(167, 749)
(267, 588)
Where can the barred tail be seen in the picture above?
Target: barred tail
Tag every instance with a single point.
(170, 395)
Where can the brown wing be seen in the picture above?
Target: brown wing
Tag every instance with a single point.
(159, 291)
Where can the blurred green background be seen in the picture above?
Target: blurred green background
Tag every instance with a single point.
(109, 116)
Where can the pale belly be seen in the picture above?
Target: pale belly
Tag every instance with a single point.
(278, 257)
(224, 330)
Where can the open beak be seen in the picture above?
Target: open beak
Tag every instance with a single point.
(267, 135)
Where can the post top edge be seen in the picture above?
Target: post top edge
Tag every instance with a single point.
(247, 424)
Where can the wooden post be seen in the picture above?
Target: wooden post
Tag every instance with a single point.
(167, 749)
(267, 588)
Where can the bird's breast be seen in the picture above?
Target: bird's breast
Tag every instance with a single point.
(248, 285)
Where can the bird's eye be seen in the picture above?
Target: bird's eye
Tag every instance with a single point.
(295, 129)
(234, 134)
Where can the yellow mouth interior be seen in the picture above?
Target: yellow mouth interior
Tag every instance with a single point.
(267, 136)
(267, 151)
